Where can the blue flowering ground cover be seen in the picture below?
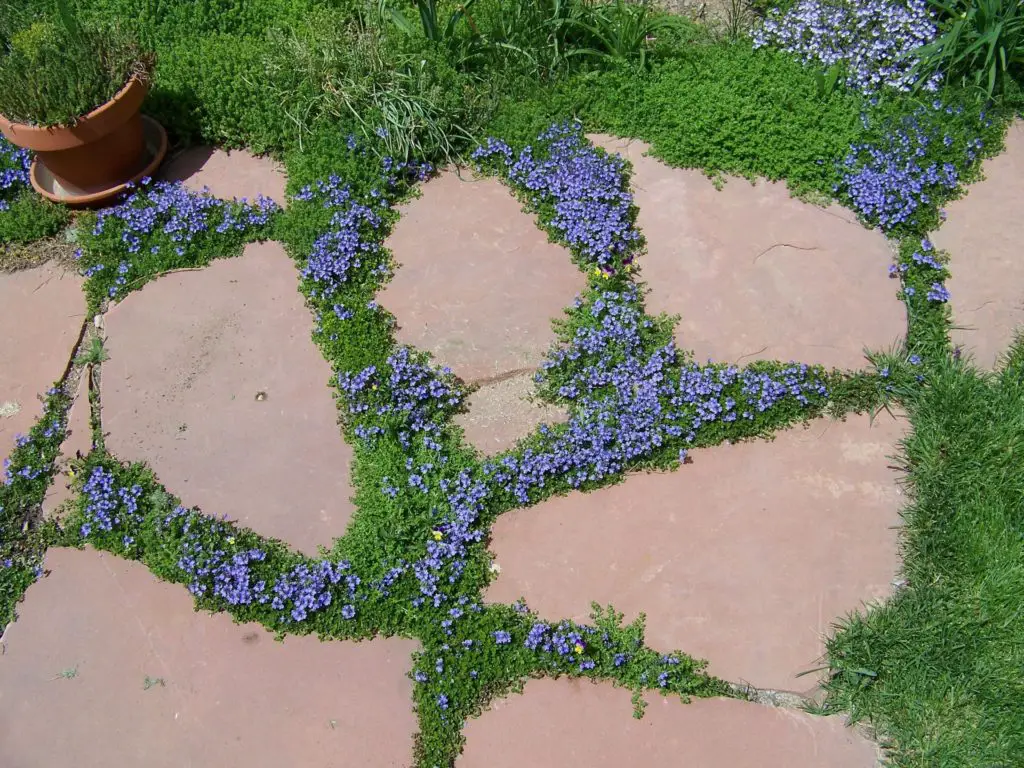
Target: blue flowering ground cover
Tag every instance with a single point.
(414, 561)
(910, 164)
(159, 226)
(872, 41)
(24, 216)
(26, 475)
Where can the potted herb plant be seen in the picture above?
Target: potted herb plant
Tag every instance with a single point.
(72, 92)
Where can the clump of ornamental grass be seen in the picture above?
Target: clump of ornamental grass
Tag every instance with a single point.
(981, 45)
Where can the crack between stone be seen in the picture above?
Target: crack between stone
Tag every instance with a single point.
(751, 354)
(500, 377)
(784, 245)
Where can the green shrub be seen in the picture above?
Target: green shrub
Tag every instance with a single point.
(212, 88)
(534, 36)
(405, 101)
(548, 38)
(53, 72)
(436, 27)
(727, 109)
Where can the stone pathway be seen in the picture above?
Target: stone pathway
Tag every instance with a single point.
(227, 173)
(214, 381)
(477, 286)
(42, 311)
(744, 556)
(577, 723)
(478, 283)
(73, 682)
(500, 414)
(983, 233)
(757, 274)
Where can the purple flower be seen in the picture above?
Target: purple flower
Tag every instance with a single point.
(938, 293)
(165, 216)
(874, 39)
(586, 189)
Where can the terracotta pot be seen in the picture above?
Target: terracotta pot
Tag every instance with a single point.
(103, 149)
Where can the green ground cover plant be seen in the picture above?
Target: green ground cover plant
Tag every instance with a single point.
(28, 473)
(356, 109)
(24, 216)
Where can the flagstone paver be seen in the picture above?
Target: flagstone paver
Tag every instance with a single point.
(744, 557)
(214, 381)
(42, 311)
(228, 173)
(501, 414)
(231, 695)
(983, 233)
(756, 273)
(577, 723)
(478, 282)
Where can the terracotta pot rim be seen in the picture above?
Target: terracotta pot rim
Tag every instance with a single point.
(134, 82)
(158, 150)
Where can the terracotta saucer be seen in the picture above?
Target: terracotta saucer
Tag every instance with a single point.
(46, 185)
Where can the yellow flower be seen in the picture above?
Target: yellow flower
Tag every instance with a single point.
(437, 535)
(579, 648)
(373, 387)
(231, 539)
(605, 275)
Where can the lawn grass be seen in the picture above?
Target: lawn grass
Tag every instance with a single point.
(938, 669)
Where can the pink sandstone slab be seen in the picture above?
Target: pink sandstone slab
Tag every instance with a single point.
(78, 442)
(478, 282)
(983, 233)
(744, 557)
(42, 311)
(757, 274)
(231, 695)
(228, 173)
(501, 414)
(214, 381)
(578, 723)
